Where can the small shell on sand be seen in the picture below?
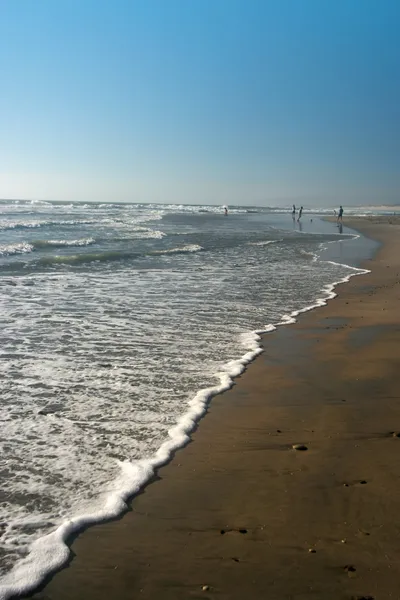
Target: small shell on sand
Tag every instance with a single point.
(205, 588)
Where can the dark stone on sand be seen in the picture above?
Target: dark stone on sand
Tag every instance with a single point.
(235, 559)
(363, 598)
(278, 431)
(300, 447)
(312, 550)
(242, 530)
(363, 482)
(396, 434)
(222, 532)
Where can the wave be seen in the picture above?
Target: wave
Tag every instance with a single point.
(6, 225)
(26, 247)
(264, 243)
(183, 250)
(146, 233)
(40, 203)
(84, 257)
(312, 255)
(87, 257)
(43, 244)
(111, 255)
(12, 249)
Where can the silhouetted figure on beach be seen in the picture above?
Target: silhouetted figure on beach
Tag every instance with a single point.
(340, 215)
(300, 213)
(294, 212)
(226, 211)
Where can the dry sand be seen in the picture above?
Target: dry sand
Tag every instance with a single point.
(239, 514)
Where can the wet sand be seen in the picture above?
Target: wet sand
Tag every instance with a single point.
(241, 514)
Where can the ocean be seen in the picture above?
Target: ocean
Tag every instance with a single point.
(118, 324)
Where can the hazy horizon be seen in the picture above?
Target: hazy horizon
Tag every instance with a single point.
(223, 102)
(283, 204)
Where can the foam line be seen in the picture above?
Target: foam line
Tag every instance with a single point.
(50, 552)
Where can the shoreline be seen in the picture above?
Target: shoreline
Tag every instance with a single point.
(197, 434)
(54, 548)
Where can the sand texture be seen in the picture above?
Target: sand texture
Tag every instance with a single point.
(241, 513)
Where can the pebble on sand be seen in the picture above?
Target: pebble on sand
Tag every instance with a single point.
(205, 588)
(300, 447)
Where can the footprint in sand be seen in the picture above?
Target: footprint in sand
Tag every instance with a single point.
(360, 482)
(224, 531)
(350, 569)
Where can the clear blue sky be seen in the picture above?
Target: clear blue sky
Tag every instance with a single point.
(215, 101)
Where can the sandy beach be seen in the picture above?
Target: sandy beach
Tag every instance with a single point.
(240, 513)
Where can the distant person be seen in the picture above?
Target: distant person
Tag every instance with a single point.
(334, 212)
(294, 212)
(226, 211)
(300, 213)
(340, 215)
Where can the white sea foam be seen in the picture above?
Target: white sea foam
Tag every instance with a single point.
(63, 243)
(182, 249)
(11, 249)
(312, 255)
(34, 223)
(51, 551)
(263, 243)
(81, 242)
(146, 233)
(329, 293)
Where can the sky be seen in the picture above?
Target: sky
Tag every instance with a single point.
(254, 102)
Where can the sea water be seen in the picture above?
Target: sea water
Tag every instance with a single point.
(118, 323)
